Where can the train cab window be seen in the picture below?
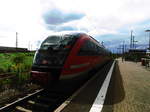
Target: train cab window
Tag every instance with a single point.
(67, 40)
(57, 42)
(50, 41)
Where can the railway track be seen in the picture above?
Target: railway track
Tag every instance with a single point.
(9, 75)
(39, 101)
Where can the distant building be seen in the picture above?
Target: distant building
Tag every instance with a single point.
(135, 54)
(140, 51)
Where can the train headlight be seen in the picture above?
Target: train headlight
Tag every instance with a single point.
(44, 62)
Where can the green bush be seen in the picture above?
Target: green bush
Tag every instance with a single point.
(19, 63)
(15, 62)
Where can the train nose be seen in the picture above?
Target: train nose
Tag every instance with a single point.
(41, 78)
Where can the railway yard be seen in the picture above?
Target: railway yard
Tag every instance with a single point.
(128, 91)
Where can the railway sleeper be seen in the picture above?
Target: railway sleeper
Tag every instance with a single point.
(31, 109)
(47, 100)
(54, 94)
(39, 106)
(22, 109)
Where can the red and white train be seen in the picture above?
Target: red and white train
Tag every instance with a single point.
(67, 58)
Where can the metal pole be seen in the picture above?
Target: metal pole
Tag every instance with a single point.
(29, 45)
(131, 40)
(149, 37)
(149, 40)
(16, 39)
(123, 48)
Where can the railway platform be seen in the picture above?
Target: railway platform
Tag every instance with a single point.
(128, 91)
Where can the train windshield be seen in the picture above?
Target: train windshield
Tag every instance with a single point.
(50, 41)
(54, 50)
(56, 41)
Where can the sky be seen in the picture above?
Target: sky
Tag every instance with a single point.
(110, 21)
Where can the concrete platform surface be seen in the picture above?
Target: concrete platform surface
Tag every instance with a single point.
(129, 89)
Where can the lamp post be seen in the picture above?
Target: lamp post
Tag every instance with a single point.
(149, 37)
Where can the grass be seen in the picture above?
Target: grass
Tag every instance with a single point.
(12, 62)
(18, 64)
(19, 84)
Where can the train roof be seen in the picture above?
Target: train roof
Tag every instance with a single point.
(75, 34)
(67, 33)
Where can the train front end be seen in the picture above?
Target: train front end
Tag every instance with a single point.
(49, 59)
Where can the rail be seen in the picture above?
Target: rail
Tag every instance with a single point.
(19, 100)
(6, 76)
(9, 75)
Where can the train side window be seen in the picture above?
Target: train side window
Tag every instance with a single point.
(89, 48)
(85, 49)
(93, 48)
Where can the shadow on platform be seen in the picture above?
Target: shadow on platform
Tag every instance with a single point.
(83, 101)
(116, 91)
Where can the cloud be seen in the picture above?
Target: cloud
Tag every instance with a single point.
(105, 20)
(114, 19)
(114, 41)
(55, 17)
(61, 28)
(66, 28)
